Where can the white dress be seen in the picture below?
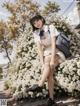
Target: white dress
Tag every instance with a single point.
(45, 41)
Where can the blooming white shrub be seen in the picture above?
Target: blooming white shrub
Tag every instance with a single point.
(26, 68)
(68, 75)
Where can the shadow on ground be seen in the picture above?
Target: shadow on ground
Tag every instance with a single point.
(62, 101)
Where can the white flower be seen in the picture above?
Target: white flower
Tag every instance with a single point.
(78, 64)
(78, 72)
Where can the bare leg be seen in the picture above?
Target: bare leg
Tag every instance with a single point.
(51, 79)
(51, 85)
(45, 74)
(48, 74)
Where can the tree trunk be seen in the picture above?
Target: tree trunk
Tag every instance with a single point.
(6, 50)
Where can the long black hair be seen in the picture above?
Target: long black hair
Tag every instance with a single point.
(36, 18)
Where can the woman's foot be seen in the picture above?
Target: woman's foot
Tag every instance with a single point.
(51, 102)
(35, 88)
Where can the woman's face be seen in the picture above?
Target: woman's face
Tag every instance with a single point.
(38, 24)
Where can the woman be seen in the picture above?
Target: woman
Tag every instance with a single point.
(50, 56)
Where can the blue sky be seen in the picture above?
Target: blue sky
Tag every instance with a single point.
(3, 12)
(63, 4)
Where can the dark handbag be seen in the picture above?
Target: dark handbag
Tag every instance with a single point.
(63, 44)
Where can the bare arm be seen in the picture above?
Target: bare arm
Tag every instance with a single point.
(53, 32)
(53, 45)
(39, 47)
(40, 52)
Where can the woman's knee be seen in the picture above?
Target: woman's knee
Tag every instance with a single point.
(50, 75)
(46, 64)
(47, 59)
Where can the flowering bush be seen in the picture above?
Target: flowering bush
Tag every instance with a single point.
(68, 75)
(26, 70)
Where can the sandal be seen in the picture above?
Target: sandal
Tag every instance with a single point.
(51, 102)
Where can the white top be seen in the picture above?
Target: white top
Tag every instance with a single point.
(45, 40)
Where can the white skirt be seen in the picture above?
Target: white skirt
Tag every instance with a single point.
(58, 52)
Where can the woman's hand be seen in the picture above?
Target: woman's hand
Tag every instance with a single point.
(53, 42)
(40, 53)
